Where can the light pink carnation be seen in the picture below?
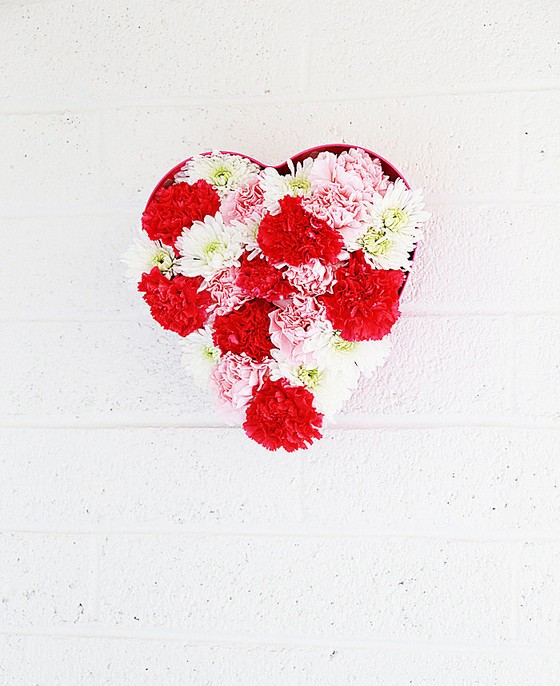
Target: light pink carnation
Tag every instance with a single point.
(225, 292)
(313, 278)
(245, 203)
(340, 184)
(294, 324)
(234, 378)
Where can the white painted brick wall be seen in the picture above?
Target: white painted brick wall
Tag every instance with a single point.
(143, 543)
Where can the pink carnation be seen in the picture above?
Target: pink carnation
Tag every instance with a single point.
(341, 184)
(235, 378)
(313, 278)
(293, 324)
(245, 203)
(225, 292)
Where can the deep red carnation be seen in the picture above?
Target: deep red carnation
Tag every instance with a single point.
(282, 416)
(364, 303)
(296, 236)
(245, 330)
(176, 207)
(175, 303)
(259, 279)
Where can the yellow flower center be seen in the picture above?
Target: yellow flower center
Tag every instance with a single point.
(211, 353)
(212, 248)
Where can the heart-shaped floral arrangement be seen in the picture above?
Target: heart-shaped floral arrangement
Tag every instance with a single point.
(283, 282)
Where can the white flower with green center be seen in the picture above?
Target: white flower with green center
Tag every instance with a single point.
(389, 229)
(348, 358)
(330, 388)
(224, 172)
(144, 254)
(199, 355)
(276, 186)
(208, 247)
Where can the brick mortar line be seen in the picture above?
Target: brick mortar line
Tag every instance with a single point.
(224, 640)
(349, 423)
(60, 106)
(474, 537)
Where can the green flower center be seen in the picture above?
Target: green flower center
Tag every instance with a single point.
(211, 353)
(221, 176)
(299, 186)
(338, 343)
(212, 248)
(310, 378)
(162, 260)
(393, 218)
(374, 242)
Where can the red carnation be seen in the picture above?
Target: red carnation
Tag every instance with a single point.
(364, 303)
(176, 207)
(282, 416)
(245, 330)
(296, 236)
(259, 279)
(176, 303)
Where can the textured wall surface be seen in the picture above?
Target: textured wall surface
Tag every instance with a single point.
(144, 543)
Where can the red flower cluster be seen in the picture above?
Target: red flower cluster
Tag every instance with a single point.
(296, 236)
(257, 278)
(282, 416)
(364, 303)
(176, 304)
(245, 330)
(174, 208)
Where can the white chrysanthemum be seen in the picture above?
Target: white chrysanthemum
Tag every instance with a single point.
(330, 388)
(347, 357)
(389, 230)
(144, 254)
(277, 186)
(224, 172)
(249, 230)
(200, 355)
(208, 247)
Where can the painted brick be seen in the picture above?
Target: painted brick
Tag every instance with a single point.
(465, 367)
(539, 594)
(51, 162)
(45, 579)
(538, 365)
(112, 50)
(453, 46)
(155, 478)
(72, 268)
(473, 482)
(325, 588)
(95, 369)
(540, 143)
(151, 663)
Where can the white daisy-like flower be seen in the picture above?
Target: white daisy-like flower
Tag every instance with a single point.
(144, 254)
(224, 172)
(199, 355)
(276, 186)
(208, 247)
(350, 358)
(389, 230)
(249, 231)
(331, 389)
